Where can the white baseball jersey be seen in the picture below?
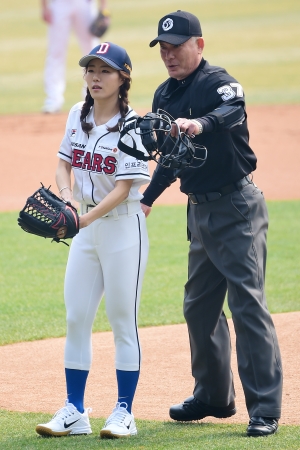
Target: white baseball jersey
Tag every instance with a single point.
(96, 161)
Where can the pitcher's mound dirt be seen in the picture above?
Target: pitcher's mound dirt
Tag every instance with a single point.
(32, 374)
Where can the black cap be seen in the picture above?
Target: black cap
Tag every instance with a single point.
(177, 28)
(112, 54)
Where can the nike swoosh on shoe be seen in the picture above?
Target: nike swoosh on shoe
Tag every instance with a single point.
(67, 425)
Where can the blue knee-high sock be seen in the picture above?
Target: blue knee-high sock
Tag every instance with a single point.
(127, 382)
(76, 381)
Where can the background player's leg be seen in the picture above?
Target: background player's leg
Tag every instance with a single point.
(81, 20)
(55, 65)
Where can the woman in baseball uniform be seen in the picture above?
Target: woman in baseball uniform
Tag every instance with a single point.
(109, 254)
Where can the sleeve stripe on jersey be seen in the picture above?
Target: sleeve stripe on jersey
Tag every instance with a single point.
(67, 156)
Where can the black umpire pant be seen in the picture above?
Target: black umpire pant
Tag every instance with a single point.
(228, 253)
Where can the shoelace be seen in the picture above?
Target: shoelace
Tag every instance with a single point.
(63, 413)
(66, 411)
(119, 414)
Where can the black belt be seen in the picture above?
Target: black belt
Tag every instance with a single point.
(195, 199)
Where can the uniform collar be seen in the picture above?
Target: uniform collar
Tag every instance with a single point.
(172, 84)
(110, 123)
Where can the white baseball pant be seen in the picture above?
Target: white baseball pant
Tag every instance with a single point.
(110, 256)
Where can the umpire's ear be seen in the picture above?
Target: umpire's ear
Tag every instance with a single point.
(200, 44)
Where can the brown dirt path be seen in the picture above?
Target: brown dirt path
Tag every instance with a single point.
(29, 145)
(31, 373)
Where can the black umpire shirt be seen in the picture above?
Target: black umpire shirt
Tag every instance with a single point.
(225, 135)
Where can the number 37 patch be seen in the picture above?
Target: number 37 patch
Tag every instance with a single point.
(231, 90)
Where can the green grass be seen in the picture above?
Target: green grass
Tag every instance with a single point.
(283, 268)
(32, 273)
(17, 432)
(257, 41)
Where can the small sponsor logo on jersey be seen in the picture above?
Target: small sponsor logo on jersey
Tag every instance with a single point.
(75, 144)
(167, 24)
(106, 149)
(135, 164)
(73, 132)
(115, 150)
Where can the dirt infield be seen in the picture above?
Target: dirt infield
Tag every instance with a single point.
(29, 371)
(32, 374)
(29, 145)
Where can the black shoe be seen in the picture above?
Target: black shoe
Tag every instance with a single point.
(193, 409)
(262, 426)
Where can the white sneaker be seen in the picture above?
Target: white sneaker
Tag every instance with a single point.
(67, 420)
(119, 424)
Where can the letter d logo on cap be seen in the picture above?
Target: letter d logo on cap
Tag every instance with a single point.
(103, 48)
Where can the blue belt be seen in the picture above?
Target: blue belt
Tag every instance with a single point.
(195, 199)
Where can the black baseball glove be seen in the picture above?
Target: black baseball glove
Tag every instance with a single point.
(100, 24)
(48, 216)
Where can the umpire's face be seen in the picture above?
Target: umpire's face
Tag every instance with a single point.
(182, 60)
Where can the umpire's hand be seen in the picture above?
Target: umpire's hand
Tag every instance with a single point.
(187, 126)
(146, 209)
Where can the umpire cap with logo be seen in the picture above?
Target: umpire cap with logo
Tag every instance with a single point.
(177, 27)
(112, 54)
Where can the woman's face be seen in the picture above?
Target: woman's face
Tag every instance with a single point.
(102, 80)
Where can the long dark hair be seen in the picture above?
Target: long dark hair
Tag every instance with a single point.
(123, 104)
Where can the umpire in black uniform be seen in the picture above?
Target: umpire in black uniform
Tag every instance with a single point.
(227, 224)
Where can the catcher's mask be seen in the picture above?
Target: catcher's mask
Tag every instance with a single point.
(181, 150)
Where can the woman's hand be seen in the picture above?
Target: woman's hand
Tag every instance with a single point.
(61, 232)
(84, 221)
(66, 194)
(119, 193)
